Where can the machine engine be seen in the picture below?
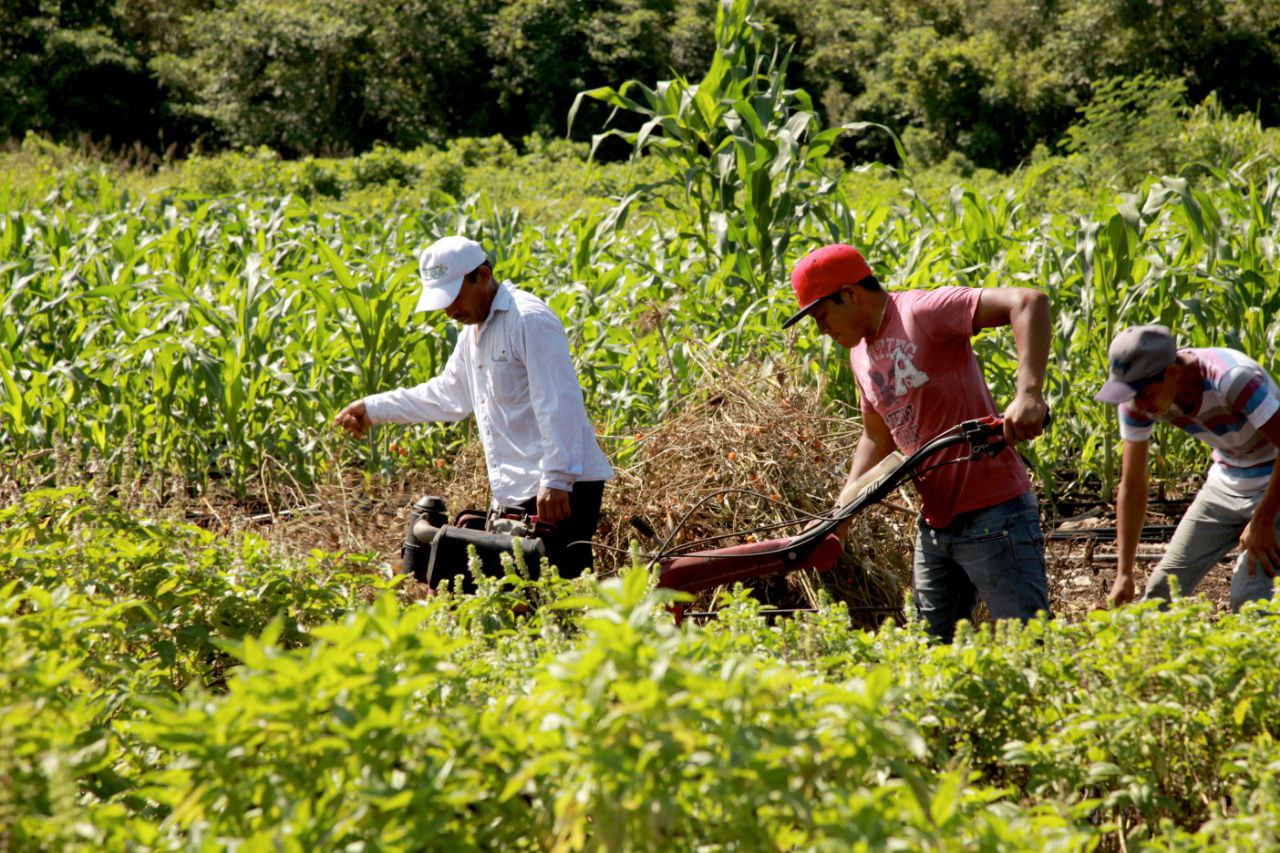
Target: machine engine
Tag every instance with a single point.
(435, 551)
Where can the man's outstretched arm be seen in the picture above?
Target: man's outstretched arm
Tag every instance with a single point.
(443, 398)
(1131, 511)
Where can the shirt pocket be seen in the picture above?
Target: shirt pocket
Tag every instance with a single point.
(510, 382)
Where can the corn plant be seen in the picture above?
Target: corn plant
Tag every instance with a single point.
(215, 337)
(741, 150)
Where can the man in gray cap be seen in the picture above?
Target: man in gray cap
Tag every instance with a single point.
(511, 369)
(1225, 399)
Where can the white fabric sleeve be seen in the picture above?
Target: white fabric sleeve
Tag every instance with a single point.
(446, 397)
(556, 398)
(1247, 391)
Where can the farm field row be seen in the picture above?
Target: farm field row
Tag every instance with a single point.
(216, 337)
(163, 687)
(213, 336)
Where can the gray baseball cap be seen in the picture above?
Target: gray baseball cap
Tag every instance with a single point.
(1138, 355)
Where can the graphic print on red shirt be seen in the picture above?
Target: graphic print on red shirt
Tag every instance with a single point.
(919, 373)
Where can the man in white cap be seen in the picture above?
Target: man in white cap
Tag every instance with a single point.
(511, 368)
(1225, 399)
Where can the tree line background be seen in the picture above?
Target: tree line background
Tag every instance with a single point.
(981, 80)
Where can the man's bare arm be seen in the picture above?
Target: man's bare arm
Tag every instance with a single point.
(1131, 511)
(875, 443)
(1026, 311)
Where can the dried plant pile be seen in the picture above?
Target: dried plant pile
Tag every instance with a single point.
(745, 428)
(774, 453)
(744, 451)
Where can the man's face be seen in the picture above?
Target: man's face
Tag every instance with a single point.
(472, 303)
(1155, 397)
(844, 316)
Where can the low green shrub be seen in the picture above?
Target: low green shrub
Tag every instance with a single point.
(383, 165)
(572, 714)
(183, 590)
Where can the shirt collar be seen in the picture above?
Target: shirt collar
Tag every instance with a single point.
(889, 306)
(502, 301)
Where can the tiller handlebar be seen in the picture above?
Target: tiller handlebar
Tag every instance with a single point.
(817, 547)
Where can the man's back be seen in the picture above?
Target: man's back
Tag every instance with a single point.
(1238, 397)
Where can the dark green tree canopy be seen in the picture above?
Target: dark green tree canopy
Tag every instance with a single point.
(984, 79)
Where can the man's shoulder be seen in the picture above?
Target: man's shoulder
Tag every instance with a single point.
(934, 315)
(1241, 380)
(1224, 367)
(533, 318)
(527, 304)
(920, 298)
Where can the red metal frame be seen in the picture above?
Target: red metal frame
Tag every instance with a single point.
(817, 547)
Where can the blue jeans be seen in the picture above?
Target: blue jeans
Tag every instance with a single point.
(996, 553)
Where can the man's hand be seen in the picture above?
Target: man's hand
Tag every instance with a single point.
(553, 505)
(1259, 540)
(354, 419)
(1122, 589)
(1024, 419)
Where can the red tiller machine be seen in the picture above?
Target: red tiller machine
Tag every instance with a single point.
(817, 547)
(435, 551)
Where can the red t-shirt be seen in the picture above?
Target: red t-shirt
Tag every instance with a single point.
(919, 373)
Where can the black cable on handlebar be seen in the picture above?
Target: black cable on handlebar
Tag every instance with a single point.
(967, 431)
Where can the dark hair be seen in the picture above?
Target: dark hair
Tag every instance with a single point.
(471, 276)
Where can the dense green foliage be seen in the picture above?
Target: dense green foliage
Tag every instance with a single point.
(164, 687)
(982, 82)
(591, 720)
(986, 80)
(213, 336)
(167, 687)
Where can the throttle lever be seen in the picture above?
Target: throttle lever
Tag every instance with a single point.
(986, 435)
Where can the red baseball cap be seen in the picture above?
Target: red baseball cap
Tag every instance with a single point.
(821, 273)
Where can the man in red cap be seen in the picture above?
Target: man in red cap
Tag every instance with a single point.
(979, 528)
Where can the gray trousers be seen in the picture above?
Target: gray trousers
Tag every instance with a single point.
(1211, 528)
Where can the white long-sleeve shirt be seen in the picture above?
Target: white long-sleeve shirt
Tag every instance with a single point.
(513, 371)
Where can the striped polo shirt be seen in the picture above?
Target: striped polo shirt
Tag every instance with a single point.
(1239, 397)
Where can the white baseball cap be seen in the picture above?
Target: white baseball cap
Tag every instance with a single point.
(442, 266)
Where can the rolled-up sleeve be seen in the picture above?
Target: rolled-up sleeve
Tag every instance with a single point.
(446, 397)
(556, 399)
